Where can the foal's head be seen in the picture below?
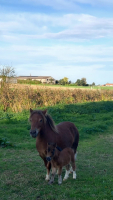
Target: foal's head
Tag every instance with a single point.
(50, 151)
(37, 120)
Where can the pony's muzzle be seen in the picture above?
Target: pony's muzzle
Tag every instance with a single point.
(48, 159)
(34, 133)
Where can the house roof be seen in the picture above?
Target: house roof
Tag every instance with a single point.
(34, 77)
(109, 84)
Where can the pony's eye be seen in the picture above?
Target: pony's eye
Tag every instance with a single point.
(40, 120)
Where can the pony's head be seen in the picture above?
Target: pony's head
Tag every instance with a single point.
(50, 151)
(37, 120)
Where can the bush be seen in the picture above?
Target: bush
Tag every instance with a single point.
(18, 99)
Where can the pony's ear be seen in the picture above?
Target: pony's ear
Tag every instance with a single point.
(44, 112)
(31, 110)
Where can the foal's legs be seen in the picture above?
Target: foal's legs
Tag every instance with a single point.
(59, 175)
(48, 166)
(67, 172)
(52, 175)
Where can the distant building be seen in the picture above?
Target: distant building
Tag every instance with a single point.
(109, 84)
(43, 79)
(11, 79)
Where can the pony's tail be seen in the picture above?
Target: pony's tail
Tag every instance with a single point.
(76, 140)
(75, 155)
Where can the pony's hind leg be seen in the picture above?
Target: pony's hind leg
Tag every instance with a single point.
(67, 172)
(75, 157)
(73, 167)
(74, 172)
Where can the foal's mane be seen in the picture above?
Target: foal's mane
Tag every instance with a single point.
(47, 118)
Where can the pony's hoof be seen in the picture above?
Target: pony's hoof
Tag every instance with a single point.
(47, 178)
(65, 178)
(74, 177)
(50, 182)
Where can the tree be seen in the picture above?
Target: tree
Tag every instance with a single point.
(51, 80)
(56, 82)
(93, 84)
(61, 82)
(78, 82)
(6, 71)
(65, 79)
(83, 81)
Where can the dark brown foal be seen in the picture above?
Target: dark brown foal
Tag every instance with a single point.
(58, 160)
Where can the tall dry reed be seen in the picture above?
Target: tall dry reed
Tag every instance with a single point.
(18, 99)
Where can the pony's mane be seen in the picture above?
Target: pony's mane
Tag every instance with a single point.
(51, 123)
(47, 118)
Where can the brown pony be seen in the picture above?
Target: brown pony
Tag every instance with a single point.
(58, 160)
(44, 130)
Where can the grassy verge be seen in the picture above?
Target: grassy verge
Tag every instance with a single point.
(22, 171)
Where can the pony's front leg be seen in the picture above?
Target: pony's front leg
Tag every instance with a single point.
(48, 167)
(52, 176)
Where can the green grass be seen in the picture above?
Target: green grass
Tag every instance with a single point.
(22, 172)
(69, 86)
(82, 87)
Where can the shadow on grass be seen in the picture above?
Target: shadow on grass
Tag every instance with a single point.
(90, 118)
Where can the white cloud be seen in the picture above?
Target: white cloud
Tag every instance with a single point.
(60, 54)
(92, 62)
(66, 27)
(58, 44)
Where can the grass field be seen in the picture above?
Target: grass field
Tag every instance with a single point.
(83, 87)
(22, 172)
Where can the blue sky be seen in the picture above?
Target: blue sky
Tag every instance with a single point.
(59, 38)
